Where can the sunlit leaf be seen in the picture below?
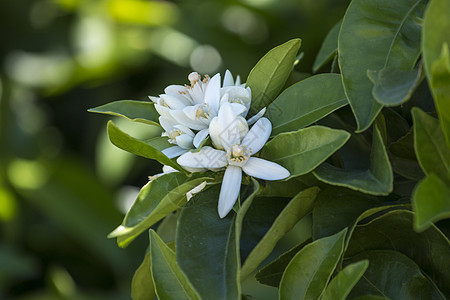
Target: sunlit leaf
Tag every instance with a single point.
(142, 287)
(268, 76)
(377, 180)
(341, 285)
(371, 39)
(329, 47)
(303, 150)
(137, 111)
(309, 271)
(170, 282)
(305, 102)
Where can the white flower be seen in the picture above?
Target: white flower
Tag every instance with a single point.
(236, 158)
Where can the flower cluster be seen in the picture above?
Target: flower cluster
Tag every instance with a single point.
(189, 114)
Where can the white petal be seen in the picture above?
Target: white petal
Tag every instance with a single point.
(168, 169)
(228, 79)
(191, 111)
(195, 190)
(181, 117)
(229, 191)
(206, 158)
(264, 169)
(154, 99)
(162, 110)
(174, 102)
(256, 117)
(258, 135)
(238, 80)
(167, 123)
(212, 93)
(214, 133)
(196, 93)
(185, 141)
(185, 130)
(173, 152)
(178, 91)
(231, 127)
(200, 137)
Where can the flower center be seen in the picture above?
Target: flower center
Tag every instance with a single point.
(173, 135)
(238, 155)
(202, 112)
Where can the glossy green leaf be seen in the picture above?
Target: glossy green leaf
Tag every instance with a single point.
(303, 150)
(393, 275)
(130, 144)
(157, 199)
(393, 86)
(429, 142)
(206, 247)
(377, 180)
(440, 87)
(269, 75)
(328, 49)
(371, 39)
(371, 297)
(341, 285)
(309, 271)
(297, 208)
(137, 111)
(305, 102)
(431, 202)
(394, 231)
(287, 189)
(272, 273)
(142, 287)
(403, 157)
(170, 282)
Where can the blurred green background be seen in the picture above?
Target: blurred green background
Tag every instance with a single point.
(63, 186)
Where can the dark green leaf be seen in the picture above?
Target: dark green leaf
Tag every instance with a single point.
(287, 189)
(377, 180)
(372, 38)
(137, 111)
(309, 271)
(298, 207)
(342, 284)
(306, 102)
(303, 150)
(130, 144)
(393, 275)
(431, 202)
(430, 249)
(329, 47)
(429, 142)
(268, 76)
(157, 199)
(393, 86)
(170, 282)
(142, 287)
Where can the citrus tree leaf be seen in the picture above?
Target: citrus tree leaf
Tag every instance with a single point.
(306, 102)
(329, 47)
(309, 271)
(297, 208)
(377, 180)
(371, 39)
(341, 285)
(269, 75)
(157, 199)
(142, 287)
(136, 111)
(303, 150)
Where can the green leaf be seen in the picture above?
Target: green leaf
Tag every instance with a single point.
(272, 273)
(403, 157)
(287, 189)
(303, 150)
(329, 47)
(377, 180)
(142, 287)
(431, 202)
(157, 199)
(393, 275)
(342, 284)
(170, 282)
(370, 297)
(297, 208)
(206, 247)
(371, 39)
(393, 86)
(306, 102)
(136, 111)
(269, 75)
(429, 249)
(440, 87)
(130, 144)
(429, 142)
(309, 271)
